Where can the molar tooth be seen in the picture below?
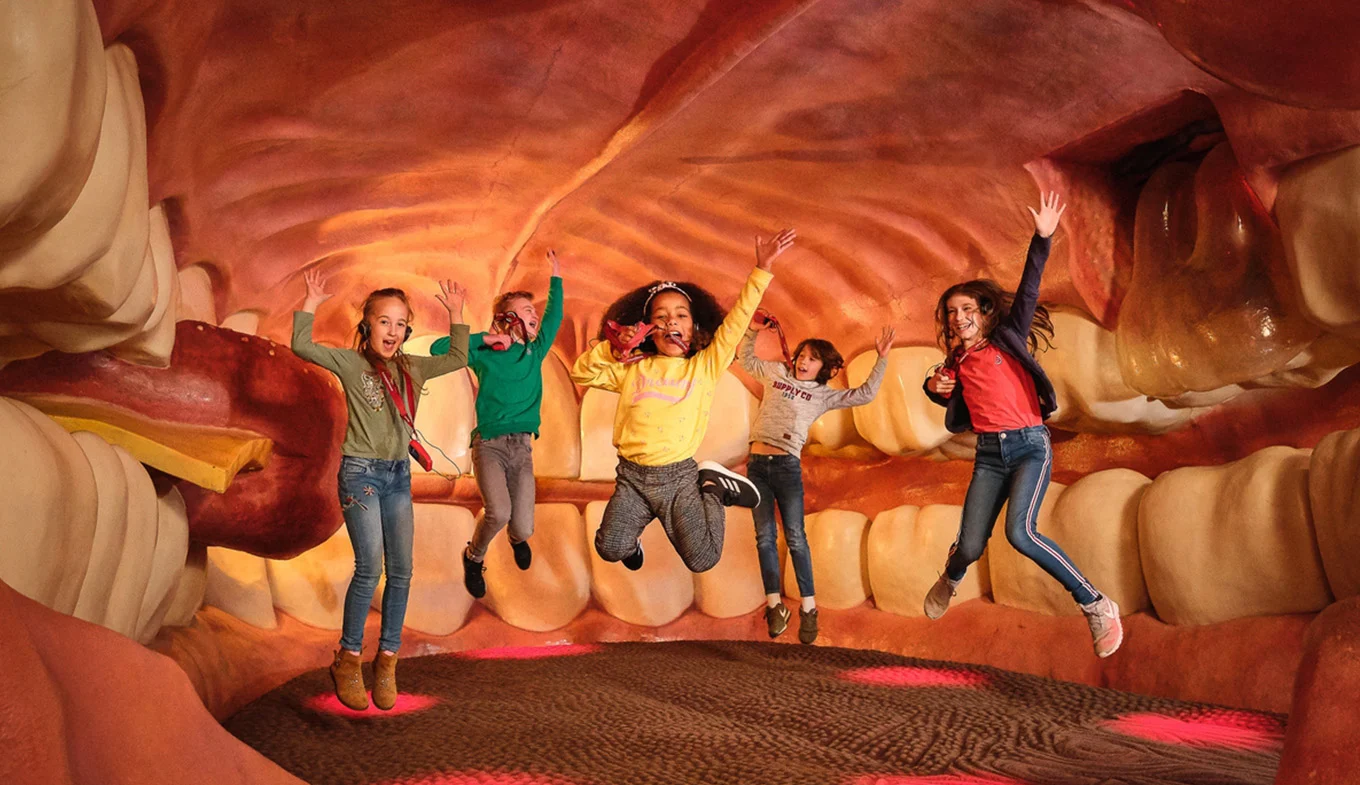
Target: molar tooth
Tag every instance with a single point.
(900, 420)
(556, 587)
(238, 583)
(837, 541)
(654, 595)
(908, 547)
(733, 587)
(438, 603)
(311, 586)
(1334, 493)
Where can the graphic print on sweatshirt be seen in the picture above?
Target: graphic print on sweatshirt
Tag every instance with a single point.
(789, 391)
(670, 391)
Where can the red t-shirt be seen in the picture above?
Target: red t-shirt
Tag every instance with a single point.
(998, 390)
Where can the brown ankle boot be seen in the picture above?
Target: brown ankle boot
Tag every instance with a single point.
(385, 680)
(348, 674)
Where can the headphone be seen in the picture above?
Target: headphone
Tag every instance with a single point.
(363, 331)
(985, 307)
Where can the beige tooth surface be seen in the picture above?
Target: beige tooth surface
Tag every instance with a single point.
(556, 587)
(135, 567)
(245, 322)
(557, 453)
(1324, 358)
(900, 420)
(727, 439)
(197, 301)
(111, 530)
(1334, 493)
(1318, 206)
(908, 547)
(153, 344)
(598, 456)
(446, 414)
(438, 603)
(167, 560)
(238, 583)
(733, 587)
(837, 540)
(49, 523)
(1095, 522)
(1083, 365)
(1223, 542)
(311, 587)
(190, 587)
(654, 595)
(49, 120)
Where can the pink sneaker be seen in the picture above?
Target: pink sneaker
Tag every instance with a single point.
(1107, 631)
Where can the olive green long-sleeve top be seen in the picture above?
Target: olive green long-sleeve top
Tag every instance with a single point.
(375, 430)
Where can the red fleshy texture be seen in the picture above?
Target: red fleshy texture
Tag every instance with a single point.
(406, 704)
(913, 676)
(931, 779)
(1229, 728)
(484, 778)
(530, 652)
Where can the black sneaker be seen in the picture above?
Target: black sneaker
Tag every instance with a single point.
(524, 556)
(807, 625)
(733, 489)
(472, 576)
(634, 562)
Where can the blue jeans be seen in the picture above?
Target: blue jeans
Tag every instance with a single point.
(1015, 467)
(375, 498)
(779, 478)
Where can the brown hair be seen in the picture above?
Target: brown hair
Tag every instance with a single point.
(361, 333)
(994, 303)
(822, 350)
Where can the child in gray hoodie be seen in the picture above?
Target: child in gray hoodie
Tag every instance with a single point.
(796, 394)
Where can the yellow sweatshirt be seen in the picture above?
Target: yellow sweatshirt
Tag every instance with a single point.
(664, 401)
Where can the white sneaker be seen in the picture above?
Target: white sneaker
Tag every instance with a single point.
(1107, 630)
(937, 599)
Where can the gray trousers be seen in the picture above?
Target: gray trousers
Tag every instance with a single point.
(693, 521)
(504, 468)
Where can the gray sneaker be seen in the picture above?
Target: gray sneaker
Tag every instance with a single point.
(937, 599)
(1107, 630)
(777, 619)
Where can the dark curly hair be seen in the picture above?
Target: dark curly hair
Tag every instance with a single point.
(822, 350)
(703, 308)
(995, 305)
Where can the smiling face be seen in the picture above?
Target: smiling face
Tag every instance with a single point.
(387, 320)
(807, 365)
(671, 319)
(966, 321)
(524, 308)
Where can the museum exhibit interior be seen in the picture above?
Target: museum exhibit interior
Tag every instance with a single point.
(1091, 270)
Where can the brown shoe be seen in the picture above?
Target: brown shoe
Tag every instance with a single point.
(385, 680)
(807, 625)
(347, 672)
(777, 619)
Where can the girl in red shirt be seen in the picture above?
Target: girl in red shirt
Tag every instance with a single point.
(991, 384)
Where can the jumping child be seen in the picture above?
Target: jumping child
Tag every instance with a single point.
(508, 362)
(382, 385)
(665, 372)
(991, 383)
(796, 394)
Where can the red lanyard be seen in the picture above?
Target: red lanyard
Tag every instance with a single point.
(771, 321)
(407, 412)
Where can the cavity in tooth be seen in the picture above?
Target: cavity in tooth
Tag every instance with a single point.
(1223, 542)
(907, 549)
(1334, 492)
(836, 539)
(438, 603)
(654, 595)
(733, 587)
(556, 588)
(238, 583)
(900, 420)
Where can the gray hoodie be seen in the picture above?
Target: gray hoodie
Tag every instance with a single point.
(789, 406)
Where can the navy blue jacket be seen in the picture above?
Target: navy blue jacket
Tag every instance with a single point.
(1012, 337)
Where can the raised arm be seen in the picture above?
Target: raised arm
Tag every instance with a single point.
(302, 344)
(746, 354)
(1027, 293)
(598, 368)
(844, 399)
(720, 353)
(454, 355)
(552, 312)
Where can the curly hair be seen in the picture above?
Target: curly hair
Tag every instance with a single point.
(994, 303)
(361, 343)
(826, 352)
(703, 307)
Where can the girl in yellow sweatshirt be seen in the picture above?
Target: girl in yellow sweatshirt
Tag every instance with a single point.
(665, 388)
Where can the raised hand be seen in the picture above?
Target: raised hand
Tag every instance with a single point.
(1046, 220)
(316, 290)
(884, 342)
(452, 296)
(767, 250)
(556, 265)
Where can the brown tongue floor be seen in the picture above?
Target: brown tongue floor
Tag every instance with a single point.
(733, 712)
